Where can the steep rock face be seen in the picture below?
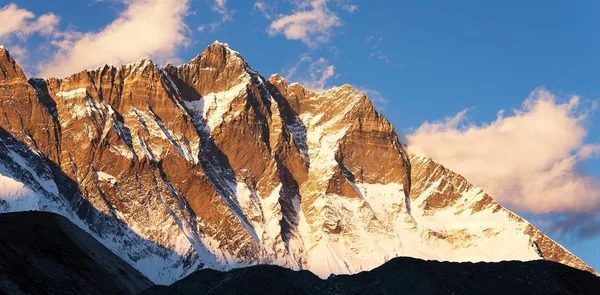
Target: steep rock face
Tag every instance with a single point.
(21, 112)
(208, 164)
(130, 152)
(458, 215)
(9, 69)
(336, 129)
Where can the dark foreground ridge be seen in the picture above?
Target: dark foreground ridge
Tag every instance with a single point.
(44, 253)
(399, 276)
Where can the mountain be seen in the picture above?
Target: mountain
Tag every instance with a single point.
(44, 253)
(210, 165)
(398, 276)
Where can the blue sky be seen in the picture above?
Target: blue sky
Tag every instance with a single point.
(420, 61)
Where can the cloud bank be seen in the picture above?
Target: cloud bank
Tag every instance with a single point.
(18, 24)
(527, 160)
(22, 23)
(145, 27)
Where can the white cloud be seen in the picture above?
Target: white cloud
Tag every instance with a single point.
(376, 51)
(145, 27)
(350, 8)
(263, 8)
(291, 73)
(211, 27)
(312, 74)
(21, 23)
(528, 160)
(220, 7)
(320, 71)
(312, 23)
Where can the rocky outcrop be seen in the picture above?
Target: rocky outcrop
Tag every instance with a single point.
(9, 69)
(209, 165)
(21, 112)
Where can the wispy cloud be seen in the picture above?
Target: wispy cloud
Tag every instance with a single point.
(265, 9)
(376, 51)
(21, 23)
(145, 27)
(17, 25)
(312, 74)
(291, 73)
(320, 72)
(572, 226)
(350, 8)
(528, 160)
(220, 7)
(311, 22)
(226, 15)
(211, 27)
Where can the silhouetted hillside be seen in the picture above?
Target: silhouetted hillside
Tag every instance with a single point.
(44, 253)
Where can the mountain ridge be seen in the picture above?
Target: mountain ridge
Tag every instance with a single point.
(208, 164)
(400, 275)
(69, 261)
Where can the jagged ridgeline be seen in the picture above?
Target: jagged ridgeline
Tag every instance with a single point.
(209, 165)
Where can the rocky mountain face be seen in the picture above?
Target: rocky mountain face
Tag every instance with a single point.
(209, 165)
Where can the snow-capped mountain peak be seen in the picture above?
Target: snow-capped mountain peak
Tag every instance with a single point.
(208, 164)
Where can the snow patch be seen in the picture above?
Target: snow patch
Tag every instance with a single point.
(75, 93)
(382, 198)
(105, 177)
(14, 195)
(212, 107)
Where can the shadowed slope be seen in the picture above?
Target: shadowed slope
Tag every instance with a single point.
(399, 276)
(44, 253)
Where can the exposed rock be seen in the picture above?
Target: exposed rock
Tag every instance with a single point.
(9, 69)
